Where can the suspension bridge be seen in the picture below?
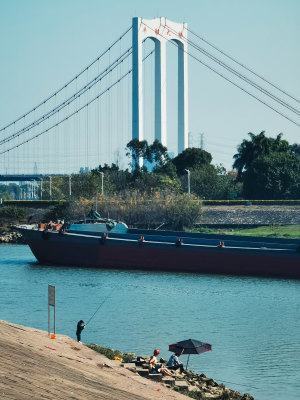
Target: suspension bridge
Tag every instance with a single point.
(122, 95)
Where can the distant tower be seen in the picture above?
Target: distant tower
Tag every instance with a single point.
(160, 30)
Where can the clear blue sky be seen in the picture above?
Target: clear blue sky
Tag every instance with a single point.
(45, 43)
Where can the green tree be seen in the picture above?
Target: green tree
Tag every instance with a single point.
(10, 191)
(59, 188)
(258, 146)
(158, 154)
(191, 158)
(115, 180)
(168, 169)
(212, 182)
(274, 176)
(295, 148)
(151, 181)
(137, 149)
(88, 184)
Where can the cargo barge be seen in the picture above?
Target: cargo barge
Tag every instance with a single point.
(88, 246)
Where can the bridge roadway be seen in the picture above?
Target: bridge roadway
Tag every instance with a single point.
(24, 177)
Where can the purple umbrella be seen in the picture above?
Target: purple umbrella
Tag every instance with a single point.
(190, 346)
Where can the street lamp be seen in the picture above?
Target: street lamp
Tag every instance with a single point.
(70, 188)
(189, 180)
(41, 188)
(50, 187)
(102, 176)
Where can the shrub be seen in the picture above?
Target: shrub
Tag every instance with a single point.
(12, 214)
(58, 211)
(182, 211)
(149, 210)
(111, 354)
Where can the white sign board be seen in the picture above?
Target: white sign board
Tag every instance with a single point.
(51, 295)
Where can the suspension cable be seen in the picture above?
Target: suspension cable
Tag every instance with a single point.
(229, 80)
(68, 101)
(68, 83)
(242, 65)
(76, 111)
(238, 74)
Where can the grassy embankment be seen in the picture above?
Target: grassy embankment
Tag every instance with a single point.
(275, 231)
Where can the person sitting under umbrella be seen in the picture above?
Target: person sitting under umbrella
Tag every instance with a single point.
(174, 362)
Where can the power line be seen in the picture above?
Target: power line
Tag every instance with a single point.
(68, 83)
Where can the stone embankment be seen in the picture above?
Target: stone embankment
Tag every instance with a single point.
(198, 386)
(250, 215)
(11, 237)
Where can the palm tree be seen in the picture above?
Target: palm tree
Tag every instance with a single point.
(258, 146)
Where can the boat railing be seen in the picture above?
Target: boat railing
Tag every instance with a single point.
(191, 243)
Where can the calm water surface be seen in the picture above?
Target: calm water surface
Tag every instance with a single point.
(252, 323)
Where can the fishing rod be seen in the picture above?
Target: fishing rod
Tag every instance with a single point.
(238, 384)
(98, 308)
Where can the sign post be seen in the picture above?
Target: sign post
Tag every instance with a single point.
(51, 302)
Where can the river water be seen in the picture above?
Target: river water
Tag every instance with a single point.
(253, 324)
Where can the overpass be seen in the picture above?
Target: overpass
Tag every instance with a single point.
(21, 178)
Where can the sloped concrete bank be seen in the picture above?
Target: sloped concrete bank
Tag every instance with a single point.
(35, 367)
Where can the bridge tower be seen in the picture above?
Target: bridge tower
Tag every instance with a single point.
(160, 30)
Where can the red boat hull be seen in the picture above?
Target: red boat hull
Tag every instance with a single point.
(93, 251)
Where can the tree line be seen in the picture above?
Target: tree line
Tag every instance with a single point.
(263, 168)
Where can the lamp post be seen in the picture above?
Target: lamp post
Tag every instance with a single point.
(102, 176)
(50, 187)
(41, 188)
(189, 180)
(70, 188)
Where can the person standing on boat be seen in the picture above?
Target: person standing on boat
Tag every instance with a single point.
(80, 327)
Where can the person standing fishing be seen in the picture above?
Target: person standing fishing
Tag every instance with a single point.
(80, 327)
(80, 324)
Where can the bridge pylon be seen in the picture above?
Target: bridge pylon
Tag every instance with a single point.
(160, 30)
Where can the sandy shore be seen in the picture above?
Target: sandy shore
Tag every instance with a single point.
(33, 366)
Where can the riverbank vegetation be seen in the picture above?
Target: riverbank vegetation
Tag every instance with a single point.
(148, 210)
(10, 215)
(159, 190)
(272, 231)
(193, 385)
